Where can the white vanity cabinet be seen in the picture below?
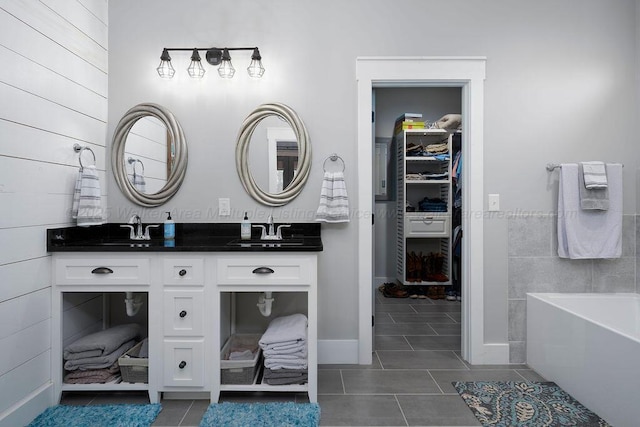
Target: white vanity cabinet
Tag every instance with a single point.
(83, 285)
(284, 272)
(183, 316)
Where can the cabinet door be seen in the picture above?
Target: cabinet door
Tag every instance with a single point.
(184, 312)
(184, 363)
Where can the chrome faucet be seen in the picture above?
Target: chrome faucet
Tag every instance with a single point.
(271, 234)
(135, 226)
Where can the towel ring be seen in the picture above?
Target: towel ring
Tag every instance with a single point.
(133, 162)
(334, 157)
(79, 149)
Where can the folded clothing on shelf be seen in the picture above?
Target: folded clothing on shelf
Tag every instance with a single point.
(285, 376)
(101, 343)
(432, 205)
(284, 343)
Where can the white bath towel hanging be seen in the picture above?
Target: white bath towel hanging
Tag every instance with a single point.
(334, 202)
(589, 234)
(87, 201)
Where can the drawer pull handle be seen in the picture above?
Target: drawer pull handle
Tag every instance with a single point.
(183, 313)
(263, 270)
(182, 272)
(101, 270)
(182, 364)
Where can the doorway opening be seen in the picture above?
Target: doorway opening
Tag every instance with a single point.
(468, 75)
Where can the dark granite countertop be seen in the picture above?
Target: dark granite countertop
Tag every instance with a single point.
(190, 237)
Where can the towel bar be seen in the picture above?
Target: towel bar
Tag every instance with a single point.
(553, 166)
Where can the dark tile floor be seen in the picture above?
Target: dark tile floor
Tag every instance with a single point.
(417, 356)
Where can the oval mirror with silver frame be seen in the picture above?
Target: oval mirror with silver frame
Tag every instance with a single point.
(128, 165)
(303, 163)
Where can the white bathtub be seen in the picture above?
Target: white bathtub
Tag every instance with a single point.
(589, 344)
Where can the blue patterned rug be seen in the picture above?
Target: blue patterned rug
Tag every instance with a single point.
(525, 404)
(98, 416)
(287, 414)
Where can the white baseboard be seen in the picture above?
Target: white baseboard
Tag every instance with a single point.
(23, 412)
(495, 354)
(337, 352)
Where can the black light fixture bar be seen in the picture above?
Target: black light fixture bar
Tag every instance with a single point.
(215, 56)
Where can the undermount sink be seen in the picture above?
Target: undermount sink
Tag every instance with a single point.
(258, 243)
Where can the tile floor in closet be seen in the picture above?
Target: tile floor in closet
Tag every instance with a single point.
(417, 356)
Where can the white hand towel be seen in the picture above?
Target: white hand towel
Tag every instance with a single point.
(87, 201)
(595, 175)
(589, 234)
(334, 202)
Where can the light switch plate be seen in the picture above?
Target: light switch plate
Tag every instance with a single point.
(224, 207)
(494, 202)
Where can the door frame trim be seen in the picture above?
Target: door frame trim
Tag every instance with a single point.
(467, 73)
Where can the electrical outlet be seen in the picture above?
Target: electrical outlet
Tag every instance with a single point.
(494, 202)
(224, 207)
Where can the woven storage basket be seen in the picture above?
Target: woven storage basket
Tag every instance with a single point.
(239, 371)
(134, 369)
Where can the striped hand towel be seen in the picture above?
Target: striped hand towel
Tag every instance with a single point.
(334, 202)
(595, 175)
(87, 202)
(139, 182)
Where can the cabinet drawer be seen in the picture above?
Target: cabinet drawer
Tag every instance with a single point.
(102, 271)
(184, 363)
(184, 312)
(183, 271)
(427, 226)
(250, 270)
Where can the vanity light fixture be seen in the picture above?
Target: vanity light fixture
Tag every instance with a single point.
(215, 56)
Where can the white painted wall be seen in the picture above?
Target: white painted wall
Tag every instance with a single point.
(559, 87)
(53, 92)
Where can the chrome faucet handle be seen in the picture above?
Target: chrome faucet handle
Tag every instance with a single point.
(270, 224)
(263, 236)
(132, 234)
(147, 236)
(279, 232)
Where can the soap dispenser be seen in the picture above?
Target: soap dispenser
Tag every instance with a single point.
(245, 228)
(169, 228)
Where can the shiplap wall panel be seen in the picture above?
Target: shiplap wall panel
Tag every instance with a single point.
(81, 18)
(24, 380)
(45, 21)
(19, 278)
(53, 92)
(25, 344)
(32, 110)
(18, 140)
(22, 39)
(26, 243)
(98, 8)
(20, 313)
(26, 75)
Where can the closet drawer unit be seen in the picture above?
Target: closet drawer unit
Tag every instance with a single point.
(269, 270)
(184, 363)
(187, 271)
(426, 225)
(102, 271)
(184, 312)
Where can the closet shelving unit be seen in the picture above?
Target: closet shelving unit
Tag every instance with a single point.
(423, 232)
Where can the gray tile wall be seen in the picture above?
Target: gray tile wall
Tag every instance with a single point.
(534, 266)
